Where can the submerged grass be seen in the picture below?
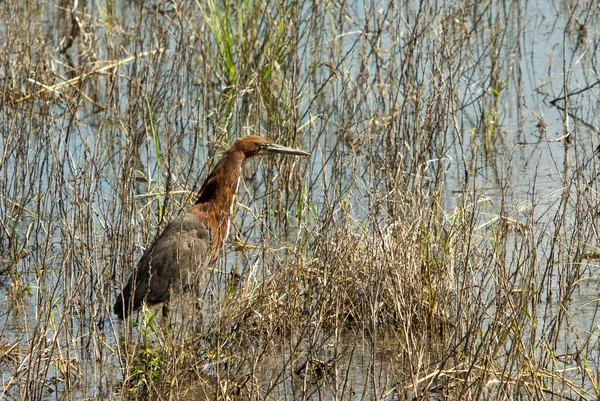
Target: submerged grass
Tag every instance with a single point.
(438, 244)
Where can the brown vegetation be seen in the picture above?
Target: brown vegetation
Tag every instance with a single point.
(439, 244)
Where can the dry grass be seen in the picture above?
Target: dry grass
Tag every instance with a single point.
(439, 244)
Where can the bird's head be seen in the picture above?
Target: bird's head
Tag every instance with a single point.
(227, 171)
(253, 145)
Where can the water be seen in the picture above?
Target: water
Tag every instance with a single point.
(82, 231)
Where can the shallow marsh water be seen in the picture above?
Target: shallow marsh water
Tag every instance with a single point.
(91, 170)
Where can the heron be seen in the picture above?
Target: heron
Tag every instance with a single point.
(192, 241)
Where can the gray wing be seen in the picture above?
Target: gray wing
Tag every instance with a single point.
(177, 256)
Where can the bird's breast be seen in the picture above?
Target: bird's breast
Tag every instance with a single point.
(233, 200)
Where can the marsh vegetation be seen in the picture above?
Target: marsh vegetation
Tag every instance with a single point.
(440, 243)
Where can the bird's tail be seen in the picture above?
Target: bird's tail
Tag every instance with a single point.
(121, 308)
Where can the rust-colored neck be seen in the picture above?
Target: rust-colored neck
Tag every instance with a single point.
(221, 184)
(216, 197)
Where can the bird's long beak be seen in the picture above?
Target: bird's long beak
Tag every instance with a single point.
(284, 150)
